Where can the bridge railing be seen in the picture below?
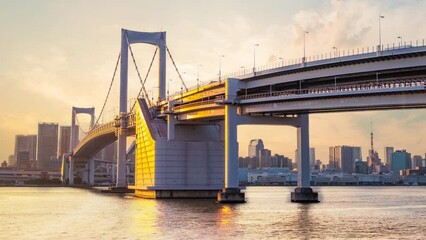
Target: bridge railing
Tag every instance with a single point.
(390, 84)
(334, 54)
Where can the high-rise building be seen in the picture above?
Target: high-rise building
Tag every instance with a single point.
(417, 161)
(357, 153)
(25, 151)
(281, 161)
(342, 158)
(64, 140)
(11, 160)
(388, 155)
(401, 160)
(265, 158)
(47, 146)
(254, 148)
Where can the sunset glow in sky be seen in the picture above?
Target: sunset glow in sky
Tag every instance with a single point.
(59, 54)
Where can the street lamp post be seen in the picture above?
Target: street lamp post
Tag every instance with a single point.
(380, 33)
(304, 46)
(254, 57)
(198, 76)
(220, 67)
(335, 51)
(244, 70)
(282, 61)
(400, 38)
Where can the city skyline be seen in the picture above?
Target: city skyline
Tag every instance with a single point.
(73, 60)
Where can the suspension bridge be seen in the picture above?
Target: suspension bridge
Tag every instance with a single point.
(186, 144)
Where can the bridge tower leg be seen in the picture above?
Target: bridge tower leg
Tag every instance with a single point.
(91, 172)
(303, 193)
(231, 193)
(71, 172)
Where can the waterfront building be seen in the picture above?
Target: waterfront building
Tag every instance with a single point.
(47, 146)
(25, 151)
(64, 140)
(4, 164)
(254, 148)
(361, 167)
(388, 155)
(357, 153)
(401, 160)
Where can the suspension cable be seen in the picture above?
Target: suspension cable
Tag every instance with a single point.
(109, 90)
(137, 69)
(177, 70)
(146, 77)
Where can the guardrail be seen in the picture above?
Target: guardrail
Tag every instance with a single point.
(396, 83)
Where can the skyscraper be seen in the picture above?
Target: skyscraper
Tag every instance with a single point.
(25, 151)
(47, 146)
(342, 158)
(255, 146)
(64, 140)
(401, 160)
(417, 161)
(388, 155)
(265, 158)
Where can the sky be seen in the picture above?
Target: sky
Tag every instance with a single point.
(59, 54)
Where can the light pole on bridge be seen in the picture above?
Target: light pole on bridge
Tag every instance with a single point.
(220, 67)
(335, 51)
(304, 46)
(400, 38)
(254, 57)
(380, 33)
(282, 61)
(198, 76)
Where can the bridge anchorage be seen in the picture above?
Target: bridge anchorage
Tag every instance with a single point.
(186, 144)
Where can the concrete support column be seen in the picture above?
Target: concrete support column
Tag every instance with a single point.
(303, 192)
(231, 147)
(231, 193)
(85, 173)
(71, 171)
(91, 172)
(303, 171)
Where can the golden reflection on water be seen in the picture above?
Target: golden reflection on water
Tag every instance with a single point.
(225, 216)
(144, 216)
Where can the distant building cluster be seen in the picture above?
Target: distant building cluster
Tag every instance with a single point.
(260, 157)
(345, 166)
(44, 151)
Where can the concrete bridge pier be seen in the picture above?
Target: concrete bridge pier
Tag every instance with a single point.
(303, 193)
(231, 193)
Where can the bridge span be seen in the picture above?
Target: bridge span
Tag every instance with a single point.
(186, 144)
